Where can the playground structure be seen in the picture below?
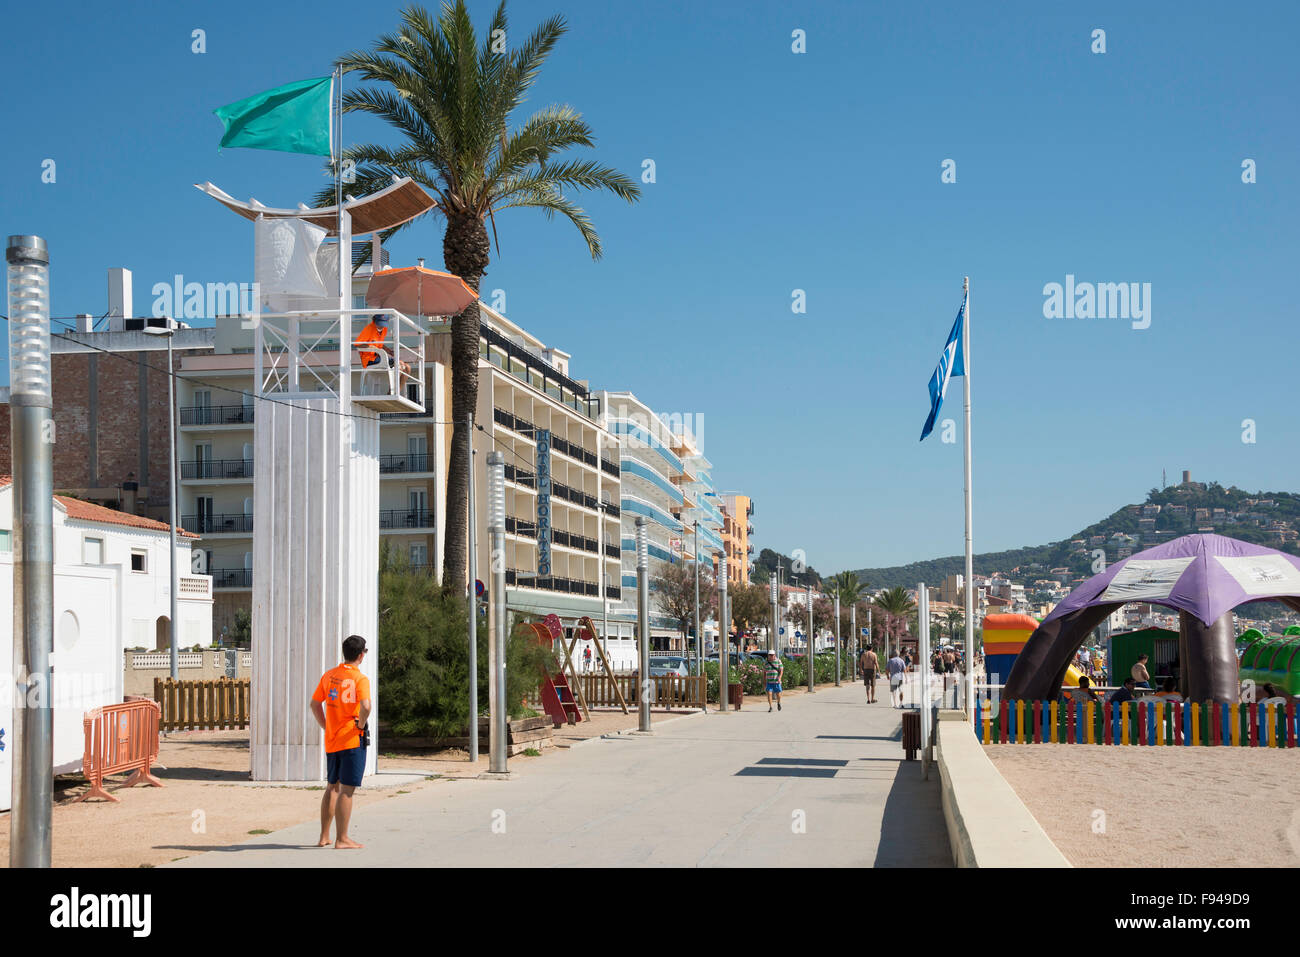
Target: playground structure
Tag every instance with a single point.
(1274, 661)
(1202, 576)
(562, 698)
(1005, 636)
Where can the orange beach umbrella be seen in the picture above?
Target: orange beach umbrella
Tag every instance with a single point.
(417, 291)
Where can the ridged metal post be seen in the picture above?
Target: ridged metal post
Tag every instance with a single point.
(643, 623)
(499, 732)
(31, 410)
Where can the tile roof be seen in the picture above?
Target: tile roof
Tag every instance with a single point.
(81, 511)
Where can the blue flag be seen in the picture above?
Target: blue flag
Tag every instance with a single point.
(951, 363)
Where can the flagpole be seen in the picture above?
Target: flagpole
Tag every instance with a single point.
(970, 610)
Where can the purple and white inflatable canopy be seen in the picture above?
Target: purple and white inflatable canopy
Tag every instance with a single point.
(1203, 576)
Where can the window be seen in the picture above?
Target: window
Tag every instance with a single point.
(139, 560)
(7, 542)
(92, 551)
(420, 556)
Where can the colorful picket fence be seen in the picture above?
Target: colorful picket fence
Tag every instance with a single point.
(1147, 723)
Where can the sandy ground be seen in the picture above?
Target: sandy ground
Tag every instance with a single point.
(1161, 807)
(202, 808)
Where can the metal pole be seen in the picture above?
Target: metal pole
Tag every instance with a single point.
(171, 474)
(32, 424)
(853, 647)
(970, 612)
(724, 628)
(604, 580)
(473, 599)
(923, 662)
(496, 475)
(809, 655)
(699, 646)
(771, 637)
(837, 639)
(643, 623)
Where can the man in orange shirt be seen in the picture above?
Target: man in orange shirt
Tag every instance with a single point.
(376, 331)
(341, 704)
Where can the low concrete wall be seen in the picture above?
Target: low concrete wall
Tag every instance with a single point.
(139, 668)
(988, 824)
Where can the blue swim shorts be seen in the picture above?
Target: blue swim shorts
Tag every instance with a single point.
(346, 767)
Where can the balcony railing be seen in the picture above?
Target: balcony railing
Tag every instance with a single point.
(612, 550)
(521, 477)
(408, 462)
(217, 415)
(516, 527)
(232, 578)
(405, 518)
(217, 469)
(609, 468)
(574, 541)
(524, 427)
(216, 524)
(570, 586)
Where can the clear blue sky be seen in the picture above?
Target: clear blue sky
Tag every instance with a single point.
(776, 172)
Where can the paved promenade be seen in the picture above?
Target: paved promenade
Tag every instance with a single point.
(821, 783)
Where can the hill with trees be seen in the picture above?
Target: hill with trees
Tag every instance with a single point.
(1264, 518)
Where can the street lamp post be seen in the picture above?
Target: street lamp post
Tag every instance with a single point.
(837, 639)
(643, 622)
(724, 627)
(32, 422)
(810, 637)
(699, 646)
(853, 644)
(771, 637)
(169, 332)
(496, 476)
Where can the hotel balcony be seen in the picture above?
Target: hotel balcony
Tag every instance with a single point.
(217, 415)
(217, 469)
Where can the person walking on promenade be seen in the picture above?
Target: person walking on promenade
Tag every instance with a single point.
(774, 672)
(341, 706)
(897, 669)
(868, 665)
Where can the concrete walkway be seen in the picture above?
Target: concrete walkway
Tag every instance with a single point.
(821, 783)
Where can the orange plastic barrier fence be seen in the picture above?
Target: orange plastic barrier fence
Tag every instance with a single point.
(121, 737)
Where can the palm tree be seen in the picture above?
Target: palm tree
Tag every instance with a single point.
(452, 97)
(897, 607)
(955, 618)
(850, 591)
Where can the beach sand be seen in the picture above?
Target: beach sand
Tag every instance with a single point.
(1160, 807)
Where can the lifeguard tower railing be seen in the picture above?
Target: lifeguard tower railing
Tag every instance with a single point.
(302, 355)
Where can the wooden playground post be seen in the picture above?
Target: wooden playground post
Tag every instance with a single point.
(590, 625)
(573, 670)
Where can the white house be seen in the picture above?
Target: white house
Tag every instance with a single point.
(112, 591)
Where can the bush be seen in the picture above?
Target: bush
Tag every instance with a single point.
(423, 661)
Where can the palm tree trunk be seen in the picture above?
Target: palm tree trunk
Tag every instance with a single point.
(465, 252)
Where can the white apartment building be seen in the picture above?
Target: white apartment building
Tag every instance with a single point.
(563, 486)
(663, 481)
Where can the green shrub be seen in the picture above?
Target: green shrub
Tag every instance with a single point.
(423, 661)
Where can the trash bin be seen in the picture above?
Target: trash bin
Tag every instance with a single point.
(911, 733)
(736, 695)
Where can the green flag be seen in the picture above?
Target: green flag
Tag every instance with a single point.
(294, 118)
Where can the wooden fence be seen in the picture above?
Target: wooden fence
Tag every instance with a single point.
(668, 690)
(1147, 722)
(219, 704)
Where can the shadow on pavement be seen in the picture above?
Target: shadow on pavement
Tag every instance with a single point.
(809, 762)
(771, 771)
(912, 829)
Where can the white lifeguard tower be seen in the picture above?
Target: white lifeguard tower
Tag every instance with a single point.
(316, 460)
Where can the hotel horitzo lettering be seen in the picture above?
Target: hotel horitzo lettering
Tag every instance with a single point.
(543, 502)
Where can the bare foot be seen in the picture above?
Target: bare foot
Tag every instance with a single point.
(324, 841)
(346, 843)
